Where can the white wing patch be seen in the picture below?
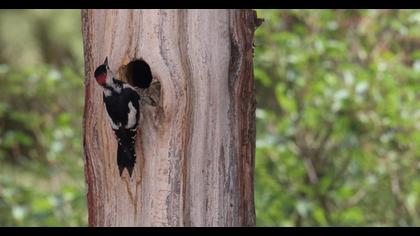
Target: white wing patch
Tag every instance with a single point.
(131, 122)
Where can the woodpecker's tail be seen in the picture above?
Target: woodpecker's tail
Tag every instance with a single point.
(126, 158)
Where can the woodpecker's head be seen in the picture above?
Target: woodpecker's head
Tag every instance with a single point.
(102, 73)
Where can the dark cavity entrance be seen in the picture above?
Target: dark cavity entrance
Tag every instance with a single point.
(138, 73)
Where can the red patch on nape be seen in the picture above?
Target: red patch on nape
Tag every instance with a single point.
(101, 79)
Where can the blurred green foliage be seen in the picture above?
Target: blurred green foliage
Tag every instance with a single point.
(338, 118)
(41, 107)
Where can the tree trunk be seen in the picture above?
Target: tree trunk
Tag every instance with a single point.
(195, 149)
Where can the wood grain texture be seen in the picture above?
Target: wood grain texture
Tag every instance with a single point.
(196, 148)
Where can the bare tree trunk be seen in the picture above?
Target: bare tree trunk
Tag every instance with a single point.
(195, 149)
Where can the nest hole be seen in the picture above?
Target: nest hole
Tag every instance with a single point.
(138, 73)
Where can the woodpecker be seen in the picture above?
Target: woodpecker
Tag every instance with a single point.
(122, 104)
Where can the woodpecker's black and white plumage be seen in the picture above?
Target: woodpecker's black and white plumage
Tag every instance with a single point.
(122, 104)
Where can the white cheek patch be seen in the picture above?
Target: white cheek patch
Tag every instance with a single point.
(131, 121)
(110, 82)
(116, 88)
(107, 92)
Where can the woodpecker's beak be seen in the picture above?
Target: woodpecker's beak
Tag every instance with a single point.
(106, 61)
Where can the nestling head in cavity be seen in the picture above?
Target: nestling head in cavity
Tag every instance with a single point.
(102, 73)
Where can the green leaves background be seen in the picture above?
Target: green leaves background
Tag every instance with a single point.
(338, 118)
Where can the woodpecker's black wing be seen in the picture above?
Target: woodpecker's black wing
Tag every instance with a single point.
(122, 106)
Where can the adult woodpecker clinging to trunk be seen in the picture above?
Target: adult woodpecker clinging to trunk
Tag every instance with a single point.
(122, 104)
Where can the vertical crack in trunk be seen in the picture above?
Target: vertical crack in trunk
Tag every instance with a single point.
(188, 124)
